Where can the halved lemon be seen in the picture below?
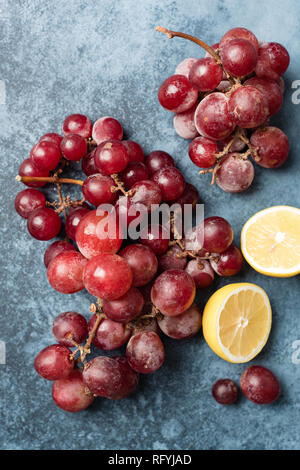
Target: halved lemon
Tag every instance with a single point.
(237, 321)
(270, 241)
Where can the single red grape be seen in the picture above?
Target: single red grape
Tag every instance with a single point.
(185, 66)
(260, 385)
(239, 57)
(97, 189)
(155, 237)
(88, 164)
(235, 173)
(111, 157)
(27, 168)
(73, 147)
(173, 292)
(65, 272)
(239, 33)
(55, 249)
(125, 308)
(69, 327)
(216, 233)
(52, 137)
(228, 263)
(28, 200)
(272, 146)
(110, 334)
(71, 394)
(146, 192)
(273, 61)
(271, 91)
(177, 94)
(170, 181)
(134, 150)
(134, 172)
(225, 391)
(145, 352)
(77, 124)
(107, 276)
(44, 223)
(73, 219)
(206, 74)
(185, 325)
(45, 155)
(172, 259)
(142, 261)
(248, 107)
(201, 271)
(107, 128)
(97, 234)
(130, 377)
(157, 160)
(213, 118)
(54, 362)
(184, 123)
(203, 152)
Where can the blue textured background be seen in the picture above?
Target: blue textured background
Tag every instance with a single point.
(104, 57)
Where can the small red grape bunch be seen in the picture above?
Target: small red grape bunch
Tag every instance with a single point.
(224, 102)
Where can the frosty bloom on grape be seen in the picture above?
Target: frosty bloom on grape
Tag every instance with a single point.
(296, 353)
(175, 219)
(296, 94)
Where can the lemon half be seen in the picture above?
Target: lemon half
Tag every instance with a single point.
(237, 321)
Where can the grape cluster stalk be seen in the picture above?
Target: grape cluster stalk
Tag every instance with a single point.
(223, 102)
(141, 289)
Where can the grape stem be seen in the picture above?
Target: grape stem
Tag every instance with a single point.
(48, 179)
(119, 186)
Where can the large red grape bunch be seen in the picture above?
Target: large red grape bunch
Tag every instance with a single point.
(224, 102)
(141, 288)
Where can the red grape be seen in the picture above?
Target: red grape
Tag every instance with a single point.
(142, 261)
(98, 234)
(45, 155)
(107, 276)
(69, 326)
(44, 223)
(201, 271)
(107, 128)
(260, 385)
(203, 152)
(213, 118)
(216, 233)
(273, 60)
(157, 160)
(88, 164)
(77, 124)
(134, 150)
(171, 183)
(155, 237)
(229, 262)
(177, 94)
(73, 147)
(28, 200)
(205, 74)
(111, 157)
(65, 272)
(73, 219)
(185, 66)
(134, 172)
(185, 325)
(145, 352)
(172, 259)
(27, 168)
(125, 308)
(225, 391)
(184, 123)
(189, 196)
(173, 292)
(110, 334)
(97, 189)
(235, 173)
(106, 377)
(272, 146)
(130, 377)
(248, 107)
(271, 91)
(239, 57)
(71, 394)
(237, 145)
(239, 33)
(55, 249)
(52, 137)
(54, 362)
(146, 192)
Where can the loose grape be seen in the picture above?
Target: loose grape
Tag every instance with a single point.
(111, 157)
(45, 155)
(142, 261)
(27, 168)
(203, 152)
(185, 325)
(71, 394)
(73, 147)
(43, 223)
(110, 334)
(77, 124)
(260, 385)
(225, 391)
(235, 173)
(213, 118)
(177, 94)
(248, 106)
(125, 308)
(171, 183)
(55, 249)
(65, 272)
(107, 128)
(216, 233)
(272, 146)
(54, 362)
(145, 352)
(228, 263)
(69, 327)
(201, 271)
(28, 200)
(97, 189)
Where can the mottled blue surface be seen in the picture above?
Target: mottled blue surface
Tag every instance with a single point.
(104, 57)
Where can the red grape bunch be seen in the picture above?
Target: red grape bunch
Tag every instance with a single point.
(224, 102)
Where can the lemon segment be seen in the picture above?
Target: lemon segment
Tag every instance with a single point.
(270, 241)
(237, 321)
